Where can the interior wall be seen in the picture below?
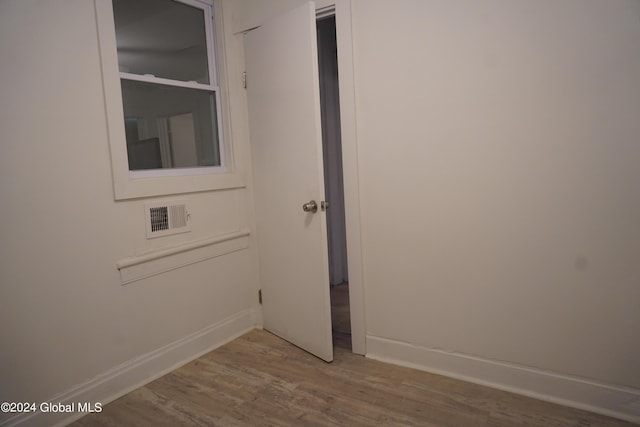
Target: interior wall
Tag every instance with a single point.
(65, 317)
(498, 145)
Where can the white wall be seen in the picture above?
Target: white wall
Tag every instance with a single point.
(498, 168)
(499, 175)
(65, 318)
(499, 148)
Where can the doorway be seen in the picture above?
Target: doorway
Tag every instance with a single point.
(333, 180)
(288, 175)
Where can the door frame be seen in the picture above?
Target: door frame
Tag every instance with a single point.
(341, 9)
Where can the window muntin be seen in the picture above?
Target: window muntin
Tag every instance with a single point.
(170, 98)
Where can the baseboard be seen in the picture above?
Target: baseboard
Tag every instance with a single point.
(605, 399)
(139, 371)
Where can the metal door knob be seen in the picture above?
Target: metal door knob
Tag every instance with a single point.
(311, 206)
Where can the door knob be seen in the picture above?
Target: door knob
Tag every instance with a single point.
(311, 206)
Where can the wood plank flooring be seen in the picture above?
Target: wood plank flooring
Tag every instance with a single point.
(261, 380)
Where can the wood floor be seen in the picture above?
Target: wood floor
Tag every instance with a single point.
(261, 380)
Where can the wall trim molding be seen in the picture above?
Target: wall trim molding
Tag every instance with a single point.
(614, 401)
(141, 370)
(160, 261)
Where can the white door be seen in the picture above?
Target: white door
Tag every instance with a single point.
(286, 149)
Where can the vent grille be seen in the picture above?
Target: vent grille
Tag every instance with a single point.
(178, 216)
(159, 218)
(165, 218)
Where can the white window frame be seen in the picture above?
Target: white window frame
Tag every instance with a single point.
(160, 182)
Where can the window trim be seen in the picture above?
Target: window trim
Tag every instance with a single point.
(161, 182)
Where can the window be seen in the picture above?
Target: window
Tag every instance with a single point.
(163, 100)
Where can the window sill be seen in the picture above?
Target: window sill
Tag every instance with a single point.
(128, 187)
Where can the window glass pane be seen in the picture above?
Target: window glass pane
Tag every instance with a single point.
(169, 127)
(161, 37)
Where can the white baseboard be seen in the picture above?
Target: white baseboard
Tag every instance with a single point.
(137, 372)
(613, 401)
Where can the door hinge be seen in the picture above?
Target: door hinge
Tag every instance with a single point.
(260, 296)
(244, 79)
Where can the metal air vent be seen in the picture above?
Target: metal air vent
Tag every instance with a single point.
(165, 218)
